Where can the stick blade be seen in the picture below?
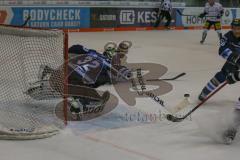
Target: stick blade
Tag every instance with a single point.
(173, 119)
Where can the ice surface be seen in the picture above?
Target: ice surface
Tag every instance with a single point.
(113, 137)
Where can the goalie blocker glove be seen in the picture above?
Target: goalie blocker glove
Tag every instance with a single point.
(233, 77)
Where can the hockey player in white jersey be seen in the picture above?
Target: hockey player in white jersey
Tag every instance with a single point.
(164, 12)
(213, 11)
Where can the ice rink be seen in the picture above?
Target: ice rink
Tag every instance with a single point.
(115, 137)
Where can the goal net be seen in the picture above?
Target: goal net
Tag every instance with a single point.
(22, 53)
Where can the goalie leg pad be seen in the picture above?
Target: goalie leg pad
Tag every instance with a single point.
(42, 91)
(80, 105)
(44, 72)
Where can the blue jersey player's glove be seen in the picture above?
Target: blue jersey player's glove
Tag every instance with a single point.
(233, 77)
(234, 58)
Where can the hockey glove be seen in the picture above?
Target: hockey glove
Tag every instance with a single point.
(202, 15)
(233, 77)
(234, 58)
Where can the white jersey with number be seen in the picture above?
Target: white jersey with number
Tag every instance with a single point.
(166, 5)
(214, 10)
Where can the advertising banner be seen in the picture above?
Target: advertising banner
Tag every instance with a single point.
(103, 17)
(5, 15)
(125, 17)
(49, 17)
(189, 21)
(137, 17)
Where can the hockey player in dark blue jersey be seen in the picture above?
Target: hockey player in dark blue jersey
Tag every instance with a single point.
(100, 69)
(230, 72)
(229, 50)
(87, 69)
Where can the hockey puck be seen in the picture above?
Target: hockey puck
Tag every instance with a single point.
(186, 95)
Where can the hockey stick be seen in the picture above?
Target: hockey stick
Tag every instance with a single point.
(26, 21)
(168, 79)
(181, 14)
(179, 119)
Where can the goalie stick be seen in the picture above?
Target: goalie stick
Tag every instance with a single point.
(181, 14)
(168, 79)
(172, 118)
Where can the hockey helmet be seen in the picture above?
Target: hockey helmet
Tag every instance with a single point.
(211, 2)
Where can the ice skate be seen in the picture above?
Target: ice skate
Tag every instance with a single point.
(202, 41)
(201, 96)
(229, 135)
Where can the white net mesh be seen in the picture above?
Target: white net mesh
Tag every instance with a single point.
(22, 52)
